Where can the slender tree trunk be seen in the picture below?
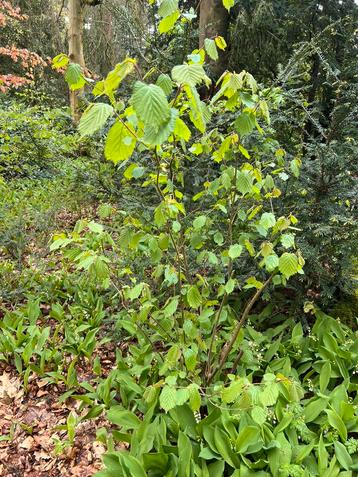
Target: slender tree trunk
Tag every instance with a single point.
(214, 21)
(75, 44)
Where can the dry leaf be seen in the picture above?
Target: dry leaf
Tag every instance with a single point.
(8, 387)
(28, 443)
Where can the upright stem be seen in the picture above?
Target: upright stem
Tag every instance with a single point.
(229, 345)
(75, 45)
(232, 202)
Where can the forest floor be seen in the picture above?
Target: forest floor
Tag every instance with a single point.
(30, 424)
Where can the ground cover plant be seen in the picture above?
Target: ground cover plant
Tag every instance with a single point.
(160, 314)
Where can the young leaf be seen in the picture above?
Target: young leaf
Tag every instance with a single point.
(220, 42)
(288, 240)
(167, 7)
(190, 75)
(74, 76)
(181, 130)
(167, 398)
(194, 297)
(235, 251)
(116, 76)
(244, 182)
(199, 222)
(94, 118)
(245, 123)
(194, 397)
(288, 264)
(150, 104)
(120, 143)
(232, 392)
(60, 61)
(164, 81)
(228, 4)
(155, 136)
(167, 23)
(267, 220)
(210, 48)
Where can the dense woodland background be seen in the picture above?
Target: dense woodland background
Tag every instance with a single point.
(134, 281)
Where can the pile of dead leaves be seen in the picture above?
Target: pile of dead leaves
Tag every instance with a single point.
(29, 428)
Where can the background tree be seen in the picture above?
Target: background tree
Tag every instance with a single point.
(214, 21)
(22, 62)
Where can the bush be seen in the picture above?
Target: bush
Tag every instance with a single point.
(33, 141)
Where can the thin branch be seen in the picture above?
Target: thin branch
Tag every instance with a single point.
(229, 345)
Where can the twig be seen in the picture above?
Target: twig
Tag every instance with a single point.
(228, 346)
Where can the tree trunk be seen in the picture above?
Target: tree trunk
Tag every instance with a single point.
(214, 21)
(75, 44)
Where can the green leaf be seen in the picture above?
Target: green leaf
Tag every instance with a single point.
(133, 171)
(60, 61)
(94, 118)
(342, 455)
(135, 292)
(164, 81)
(171, 359)
(219, 238)
(235, 251)
(220, 42)
(171, 307)
(167, 398)
(131, 465)
(336, 422)
(167, 23)
(230, 286)
(123, 418)
(259, 415)
(295, 165)
(228, 4)
(155, 136)
(314, 408)
(322, 456)
(199, 222)
(247, 436)
(210, 48)
(325, 376)
(115, 77)
(271, 262)
(181, 130)
(244, 182)
(167, 7)
(194, 297)
(245, 123)
(190, 75)
(269, 395)
(74, 76)
(267, 220)
(287, 240)
(150, 104)
(120, 142)
(288, 264)
(194, 397)
(232, 392)
(185, 452)
(199, 113)
(223, 445)
(190, 356)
